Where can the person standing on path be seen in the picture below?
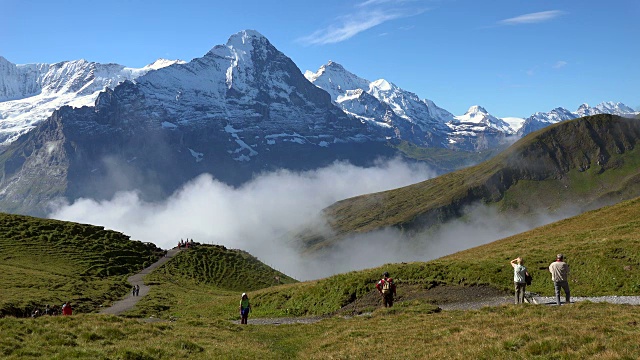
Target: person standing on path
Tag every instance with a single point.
(387, 289)
(245, 308)
(560, 276)
(519, 272)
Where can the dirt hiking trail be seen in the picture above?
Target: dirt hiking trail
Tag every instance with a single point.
(130, 301)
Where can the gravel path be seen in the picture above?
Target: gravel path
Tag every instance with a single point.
(130, 301)
(629, 300)
(471, 305)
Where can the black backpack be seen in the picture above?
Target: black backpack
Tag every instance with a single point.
(528, 278)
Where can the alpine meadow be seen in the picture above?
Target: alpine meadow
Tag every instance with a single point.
(376, 179)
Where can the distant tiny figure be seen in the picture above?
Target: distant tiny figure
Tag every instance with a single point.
(560, 276)
(245, 308)
(66, 308)
(47, 310)
(387, 288)
(136, 290)
(519, 274)
(133, 290)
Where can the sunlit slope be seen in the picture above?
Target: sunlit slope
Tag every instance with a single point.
(602, 247)
(587, 162)
(204, 276)
(45, 261)
(217, 266)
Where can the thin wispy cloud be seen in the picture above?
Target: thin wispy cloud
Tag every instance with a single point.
(560, 64)
(532, 18)
(371, 13)
(381, 2)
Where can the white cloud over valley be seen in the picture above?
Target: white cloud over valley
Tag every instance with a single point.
(261, 216)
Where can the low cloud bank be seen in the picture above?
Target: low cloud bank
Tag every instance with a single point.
(255, 217)
(260, 216)
(480, 225)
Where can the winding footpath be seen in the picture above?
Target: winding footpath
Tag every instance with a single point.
(130, 301)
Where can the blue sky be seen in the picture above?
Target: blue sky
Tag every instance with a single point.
(512, 57)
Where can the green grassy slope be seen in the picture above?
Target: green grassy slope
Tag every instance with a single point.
(46, 261)
(602, 247)
(586, 162)
(205, 272)
(445, 160)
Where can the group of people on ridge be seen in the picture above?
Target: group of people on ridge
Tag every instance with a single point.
(559, 270)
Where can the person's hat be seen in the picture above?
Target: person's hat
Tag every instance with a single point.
(385, 274)
(560, 256)
(244, 294)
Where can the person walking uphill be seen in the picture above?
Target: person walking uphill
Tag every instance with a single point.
(387, 289)
(519, 273)
(245, 308)
(560, 276)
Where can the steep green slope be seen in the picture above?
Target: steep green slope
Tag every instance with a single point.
(197, 275)
(217, 266)
(602, 247)
(443, 160)
(45, 261)
(587, 162)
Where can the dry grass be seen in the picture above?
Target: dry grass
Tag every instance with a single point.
(577, 331)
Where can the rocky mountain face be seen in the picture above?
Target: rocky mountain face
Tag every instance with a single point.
(240, 109)
(30, 93)
(403, 115)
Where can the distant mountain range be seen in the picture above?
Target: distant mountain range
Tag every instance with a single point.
(30, 93)
(78, 128)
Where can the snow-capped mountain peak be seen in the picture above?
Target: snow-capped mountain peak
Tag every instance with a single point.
(477, 115)
(162, 63)
(476, 109)
(336, 80)
(30, 93)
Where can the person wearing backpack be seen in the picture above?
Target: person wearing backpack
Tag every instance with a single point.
(519, 278)
(387, 288)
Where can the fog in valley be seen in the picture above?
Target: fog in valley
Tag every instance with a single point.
(261, 216)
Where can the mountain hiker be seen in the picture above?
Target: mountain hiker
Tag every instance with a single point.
(519, 274)
(387, 289)
(66, 308)
(245, 308)
(137, 290)
(133, 290)
(560, 276)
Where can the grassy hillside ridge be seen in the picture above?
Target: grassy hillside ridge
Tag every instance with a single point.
(45, 261)
(581, 159)
(602, 247)
(441, 159)
(217, 266)
(203, 273)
